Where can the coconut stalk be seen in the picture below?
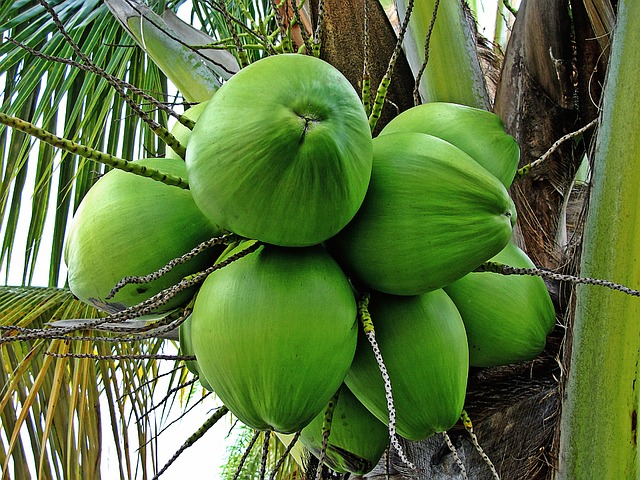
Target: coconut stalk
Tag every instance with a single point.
(598, 436)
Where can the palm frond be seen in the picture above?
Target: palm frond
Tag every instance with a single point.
(51, 407)
(60, 97)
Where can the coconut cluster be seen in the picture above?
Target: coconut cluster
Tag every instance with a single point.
(282, 156)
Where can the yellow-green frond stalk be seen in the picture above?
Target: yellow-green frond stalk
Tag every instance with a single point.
(90, 153)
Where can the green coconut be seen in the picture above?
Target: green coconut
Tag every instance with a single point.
(186, 348)
(128, 225)
(183, 133)
(274, 334)
(282, 153)
(507, 317)
(478, 133)
(424, 347)
(431, 215)
(357, 439)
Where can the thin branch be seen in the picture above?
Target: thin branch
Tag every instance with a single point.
(210, 422)
(466, 421)
(456, 457)
(182, 415)
(116, 83)
(166, 398)
(326, 432)
(148, 382)
(538, 272)
(317, 35)
(186, 121)
(265, 454)
(266, 42)
(381, 92)
(90, 153)
(303, 31)
(143, 308)
(177, 39)
(224, 239)
(245, 455)
(132, 356)
(366, 77)
(427, 43)
(527, 168)
(369, 331)
(284, 456)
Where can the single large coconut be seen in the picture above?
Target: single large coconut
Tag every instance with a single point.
(478, 133)
(274, 333)
(431, 215)
(128, 225)
(282, 152)
(507, 317)
(424, 347)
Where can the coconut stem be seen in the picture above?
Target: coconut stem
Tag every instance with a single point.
(284, 456)
(427, 42)
(317, 35)
(456, 457)
(132, 356)
(90, 153)
(326, 431)
(158, 328)
(186, 121)
(381, 93)
(210, 422)
(265, 454)
(143, 308)
(245, 455)
(303, 31)
(366, 78)
(224, 239)
(116, 83)
(243, 59)
(369, 331)
(526, 169)
(502, 269)
(466, 421)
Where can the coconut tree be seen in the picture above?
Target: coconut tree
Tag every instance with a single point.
(111, 76)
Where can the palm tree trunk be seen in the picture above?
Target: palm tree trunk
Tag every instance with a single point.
(598, 436)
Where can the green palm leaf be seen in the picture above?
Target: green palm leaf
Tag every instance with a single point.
(39, 90)
(51, 406)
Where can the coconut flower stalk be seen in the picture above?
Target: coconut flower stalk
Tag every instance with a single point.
(599, 417)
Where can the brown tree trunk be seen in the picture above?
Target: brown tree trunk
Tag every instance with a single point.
(342, 46)
(535, 99)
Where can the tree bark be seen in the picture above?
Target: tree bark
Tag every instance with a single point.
(342, 46)
(535, 99)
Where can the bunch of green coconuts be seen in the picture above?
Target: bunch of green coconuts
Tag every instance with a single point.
(282, 156)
